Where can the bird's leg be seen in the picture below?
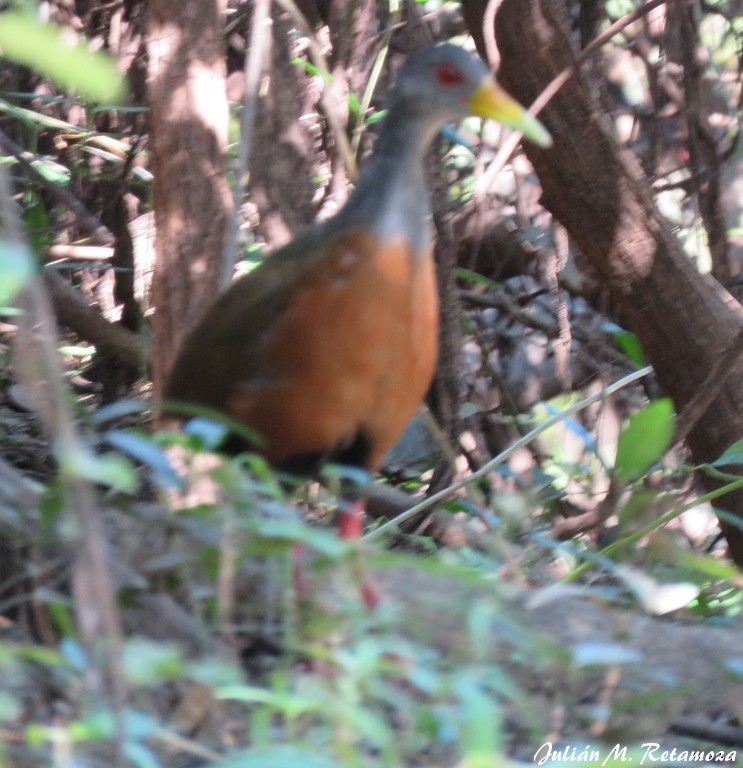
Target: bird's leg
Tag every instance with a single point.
(298, 574)
(350, 527)
(352, 509)
(350, 484)
(350, 523)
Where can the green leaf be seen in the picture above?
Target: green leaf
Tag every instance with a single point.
(26, 40)
(143, 448)
(290, 704)
(732, 456)
(286, 533)
(76, 350)
(655, 597)
(16, 269)
(141, 756)
(708, 566)
(40, 236)
(111, 469)
(470, 276)
(354, 105)
(309, 68)
(148, 661)
(29, 117)
(480, 622)
(628, 342)
(213, 671)
(10, 707)
(118, 410)
(376, 117)
(282, 756)
(735, 665)
(52, 171)
(645, 439)
(480, 725)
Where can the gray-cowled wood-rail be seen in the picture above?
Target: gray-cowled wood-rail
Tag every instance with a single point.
(327, 349)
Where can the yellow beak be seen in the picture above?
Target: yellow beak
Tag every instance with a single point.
(490, 100)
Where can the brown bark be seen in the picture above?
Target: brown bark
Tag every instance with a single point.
(445, 395)
(192, 201)
(282, 162)
(704, 155)
(72, 310)
(596, 189)
(291, 150)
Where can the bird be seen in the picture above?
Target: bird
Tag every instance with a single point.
(327, 349)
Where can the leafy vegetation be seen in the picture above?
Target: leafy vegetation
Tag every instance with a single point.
(215, 653)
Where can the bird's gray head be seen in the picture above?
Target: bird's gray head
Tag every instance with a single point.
(446, 83)
(440, 79)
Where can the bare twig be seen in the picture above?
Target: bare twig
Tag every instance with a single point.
(704, 157)
(708, 730)
(67, 251)
(488, 33)
(99, 234)
(376, 71)
(509, 145)
(318, 59)
(501, 457)
(696, 408)
(508, 306)
(254, 68)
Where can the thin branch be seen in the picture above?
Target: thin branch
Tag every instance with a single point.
(509, 145)
(725, 364)
(71, 252)
(488, 33)
(371, 86)
(703, 151)
(99, 234)
(508, 306)
(318, 59)
(393, 525)
(74, 312)
(255, 63)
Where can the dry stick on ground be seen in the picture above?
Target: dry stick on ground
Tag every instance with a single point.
(38, 368)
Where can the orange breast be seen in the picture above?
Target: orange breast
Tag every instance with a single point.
(353, 353)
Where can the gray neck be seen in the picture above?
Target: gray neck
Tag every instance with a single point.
(391, 193)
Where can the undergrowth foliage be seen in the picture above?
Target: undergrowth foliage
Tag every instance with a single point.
(152, 611)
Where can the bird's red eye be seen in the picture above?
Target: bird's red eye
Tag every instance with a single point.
(449, 75)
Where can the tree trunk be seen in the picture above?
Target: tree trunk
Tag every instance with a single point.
(192, 201)
(686, 321)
